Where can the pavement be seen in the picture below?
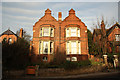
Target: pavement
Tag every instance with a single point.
(93, 76)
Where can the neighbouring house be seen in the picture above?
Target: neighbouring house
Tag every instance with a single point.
(67, 36)
(111, 37)
(9, 36)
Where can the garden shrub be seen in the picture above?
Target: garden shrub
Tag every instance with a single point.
(84, 63)
(96, 61)
(70, 65)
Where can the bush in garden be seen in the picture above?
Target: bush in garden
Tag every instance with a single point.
(84, 63)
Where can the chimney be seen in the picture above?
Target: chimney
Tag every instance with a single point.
(103, 27)
(21, 33)
(59, 16)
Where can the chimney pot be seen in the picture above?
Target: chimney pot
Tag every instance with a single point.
(60, 16)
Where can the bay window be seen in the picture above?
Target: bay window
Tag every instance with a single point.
(73, 47)
(46, 47)
(47, 31)
(73, 32)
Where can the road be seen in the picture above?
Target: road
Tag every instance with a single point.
(93, 76)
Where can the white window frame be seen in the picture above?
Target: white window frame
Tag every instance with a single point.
(73, 32)
(73, 58)
(79, 47)
(45, 58)
(51, 47)
(48, 45)
(72, 49)
(10, 40)
(68, 58)
(50, 32)
(117, 37)
(67, 48)
(69, 32)
(78, 32)
(46, 31)
(41, 32)
(40, 47)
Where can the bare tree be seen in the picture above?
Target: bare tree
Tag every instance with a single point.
(100, 37)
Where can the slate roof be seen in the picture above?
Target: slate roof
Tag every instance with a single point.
(108, 31)
(8, 32)
(112, 28)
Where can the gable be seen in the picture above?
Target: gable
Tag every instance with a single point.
(47, 17)
(8, 32)
(72, 18)
(112, 28)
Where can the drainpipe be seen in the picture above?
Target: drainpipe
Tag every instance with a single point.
(59, 20)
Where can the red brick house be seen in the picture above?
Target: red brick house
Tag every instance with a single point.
(10, 36)
(111, 36)
(68, 36)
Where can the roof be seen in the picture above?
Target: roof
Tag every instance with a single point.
(8, 32)
(112, 28)
(108, 31)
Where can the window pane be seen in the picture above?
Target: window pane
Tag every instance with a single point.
(10, 40)
(46, 31)
(52, 32)
(45, 47)
(73, 32)
(78, 32)
(40, 32)
(67, 46)
(74, 59)
(73, 48)
(45, 58)
(39, 47)
(79, 47)
(51, 47)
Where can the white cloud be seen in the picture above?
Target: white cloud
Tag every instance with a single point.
(20, 18)
(22, 11)
(21, 15)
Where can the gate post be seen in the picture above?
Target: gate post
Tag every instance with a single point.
(115, 61)
(105, 60)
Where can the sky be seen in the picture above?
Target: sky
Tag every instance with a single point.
(16, 15)
(26, 14)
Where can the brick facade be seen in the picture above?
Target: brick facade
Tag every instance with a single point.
(10, 36)
(55, 39)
